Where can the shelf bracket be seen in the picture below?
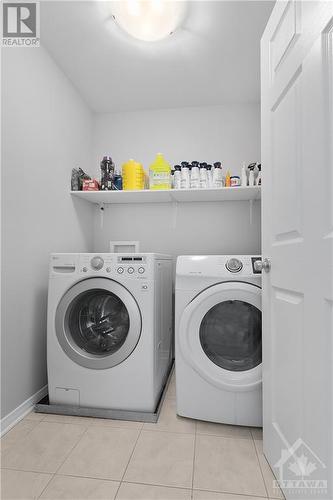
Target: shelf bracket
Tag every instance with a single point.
(101, 207)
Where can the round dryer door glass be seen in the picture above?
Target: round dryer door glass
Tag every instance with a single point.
(98, 322)
(230, 335)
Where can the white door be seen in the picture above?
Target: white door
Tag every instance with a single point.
(297, 203)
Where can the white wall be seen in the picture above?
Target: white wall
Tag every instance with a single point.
(230, 134)
(46, 131)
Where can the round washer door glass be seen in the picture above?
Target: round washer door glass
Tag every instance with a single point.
(98, 322)
(230, 335)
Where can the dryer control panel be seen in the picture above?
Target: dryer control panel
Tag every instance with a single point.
(219, 265)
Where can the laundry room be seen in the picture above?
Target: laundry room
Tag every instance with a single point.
(157, 317)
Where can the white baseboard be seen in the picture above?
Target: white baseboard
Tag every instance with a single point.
(21, 411)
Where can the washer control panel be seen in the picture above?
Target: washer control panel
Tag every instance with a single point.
(134, 266)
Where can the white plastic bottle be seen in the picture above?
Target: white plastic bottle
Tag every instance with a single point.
(256, 173)
(258, 179)
(185, 176)
(217, 175)
(211, 170)
(208, 169)
(195, 176)
(177, 177)
(244, 175)
(251, 176)
(203, 178)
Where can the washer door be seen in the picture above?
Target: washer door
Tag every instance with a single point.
(98, 323)
(220, 335)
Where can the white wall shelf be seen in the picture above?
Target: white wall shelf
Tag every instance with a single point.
(170, 195)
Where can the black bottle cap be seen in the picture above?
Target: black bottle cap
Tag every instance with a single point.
(195, 164)
(184, 163)
(218, 164)
(178, 167)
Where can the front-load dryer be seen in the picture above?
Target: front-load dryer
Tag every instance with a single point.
(218, 339)
(109, 329)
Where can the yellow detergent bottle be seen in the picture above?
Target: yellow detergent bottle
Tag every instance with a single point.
(133, 176)
(160, 173)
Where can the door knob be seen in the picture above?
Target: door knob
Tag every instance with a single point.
(262, 265)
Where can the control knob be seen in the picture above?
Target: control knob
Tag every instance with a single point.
(234, 265)
(97, 263)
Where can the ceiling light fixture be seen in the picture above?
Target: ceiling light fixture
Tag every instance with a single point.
(148, 20)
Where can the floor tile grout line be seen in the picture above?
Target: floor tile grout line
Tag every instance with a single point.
(262, 473)
(46, 486)
(130, 457)
(26, 418)
(26, 470)
(186, 488)
(71, 450)
(226, 437)
(225, 492)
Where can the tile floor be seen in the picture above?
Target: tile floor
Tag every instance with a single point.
(58, 457)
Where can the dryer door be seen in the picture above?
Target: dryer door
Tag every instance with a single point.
(220, 335)
(98, 323)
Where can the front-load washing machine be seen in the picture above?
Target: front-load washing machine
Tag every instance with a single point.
(218, 339)
(109, 329)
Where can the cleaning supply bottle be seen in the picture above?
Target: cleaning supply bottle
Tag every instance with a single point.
(107, 173)
(185, 175)
(251, 174)
(203, 177)
(195, 175)
(133, 176)
(217, 175)
(256, 173)
(244, 176)
(159, 173)
(117, 181)
(227, 179)
(177, 177)
(258, 179)
(209, 174)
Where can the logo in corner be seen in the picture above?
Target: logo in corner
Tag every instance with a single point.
(301, 470)
(20, 26)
